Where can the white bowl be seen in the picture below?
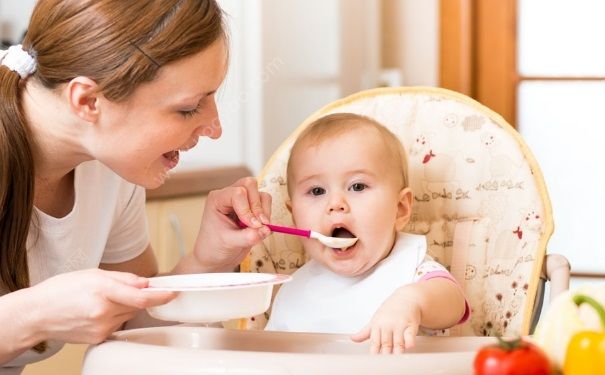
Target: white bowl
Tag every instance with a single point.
(214, 297)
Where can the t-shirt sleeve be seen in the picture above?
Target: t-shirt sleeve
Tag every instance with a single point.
(129, 235)
(430, 269)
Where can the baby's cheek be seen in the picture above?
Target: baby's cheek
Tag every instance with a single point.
(306, 218)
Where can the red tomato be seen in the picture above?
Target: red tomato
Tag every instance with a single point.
(515, 357)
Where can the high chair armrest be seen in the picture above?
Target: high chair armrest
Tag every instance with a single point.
(556, 269)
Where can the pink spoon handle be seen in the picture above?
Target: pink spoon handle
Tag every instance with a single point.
(289, 230)
(280, 229)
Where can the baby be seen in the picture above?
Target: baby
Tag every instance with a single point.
(347, 177)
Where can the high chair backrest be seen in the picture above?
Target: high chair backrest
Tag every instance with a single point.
(479, 197)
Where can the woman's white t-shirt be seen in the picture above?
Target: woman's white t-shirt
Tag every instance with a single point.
(106, 225)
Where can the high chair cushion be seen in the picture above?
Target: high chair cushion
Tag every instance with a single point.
(479, 198)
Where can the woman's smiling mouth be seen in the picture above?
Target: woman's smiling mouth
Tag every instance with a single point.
(170, 159)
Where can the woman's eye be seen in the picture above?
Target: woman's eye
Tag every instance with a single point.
(317, 191)
(191, 112)
(358, 186)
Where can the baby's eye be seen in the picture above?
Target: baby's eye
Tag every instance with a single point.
(317, 191)
(358, 186)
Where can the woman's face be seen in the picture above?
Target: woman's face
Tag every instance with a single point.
(140, 138)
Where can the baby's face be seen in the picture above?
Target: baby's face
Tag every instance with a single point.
(347, 187)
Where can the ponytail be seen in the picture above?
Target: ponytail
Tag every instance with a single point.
(16, 186)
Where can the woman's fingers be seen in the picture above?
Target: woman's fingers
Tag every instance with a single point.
(127, 278)
(254, 198)
(234, 199)
(136, 298)
(246, 238)
(249, 204)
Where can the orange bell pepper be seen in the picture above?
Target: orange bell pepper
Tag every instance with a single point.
(586, 350)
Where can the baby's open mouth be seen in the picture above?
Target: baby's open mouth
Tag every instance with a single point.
(342, 232)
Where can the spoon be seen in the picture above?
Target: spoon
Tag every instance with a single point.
(333, 242)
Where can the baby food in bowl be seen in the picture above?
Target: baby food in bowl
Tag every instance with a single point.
(214, 297)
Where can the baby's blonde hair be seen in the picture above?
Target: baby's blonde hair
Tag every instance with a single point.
(331, 126)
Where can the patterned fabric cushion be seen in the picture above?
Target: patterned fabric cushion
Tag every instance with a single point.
(479, 197)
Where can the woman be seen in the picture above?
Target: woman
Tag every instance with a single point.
(94, 107)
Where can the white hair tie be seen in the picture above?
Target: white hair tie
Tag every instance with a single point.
(18, 60)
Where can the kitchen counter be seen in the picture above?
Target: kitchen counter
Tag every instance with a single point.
(197, 182)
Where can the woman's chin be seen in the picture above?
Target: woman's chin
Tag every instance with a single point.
(151, 181)
(157, 182)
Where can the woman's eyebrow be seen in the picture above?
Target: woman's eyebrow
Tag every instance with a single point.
(194, 97)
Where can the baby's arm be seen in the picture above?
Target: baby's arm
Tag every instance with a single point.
(433, 302)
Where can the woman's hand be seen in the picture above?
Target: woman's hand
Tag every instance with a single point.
(221, 244)
(393, 327)
(87, 306)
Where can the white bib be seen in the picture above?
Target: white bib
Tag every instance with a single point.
(319, 300)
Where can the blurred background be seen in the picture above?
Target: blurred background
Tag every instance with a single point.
(539, 63)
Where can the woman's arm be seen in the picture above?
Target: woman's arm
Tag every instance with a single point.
(144, 265)
(78, 307)
(19, 324)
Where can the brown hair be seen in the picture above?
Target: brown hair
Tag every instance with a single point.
(118, 44)
(333, 125)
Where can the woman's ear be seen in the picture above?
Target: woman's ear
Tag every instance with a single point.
(83, 98)
(404, 208)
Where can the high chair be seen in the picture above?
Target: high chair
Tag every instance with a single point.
(479, 198)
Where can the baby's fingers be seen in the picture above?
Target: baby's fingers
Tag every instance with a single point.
(398, 341)
(409, 336)
(362, 335)
(386, 341)
(375, 340)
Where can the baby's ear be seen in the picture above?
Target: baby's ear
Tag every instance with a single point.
(289, 205)
(404, 209)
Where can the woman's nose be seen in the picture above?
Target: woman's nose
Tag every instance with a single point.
(338, 204)
(213, 129)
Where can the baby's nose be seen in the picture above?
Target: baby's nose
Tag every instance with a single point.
(338, 205)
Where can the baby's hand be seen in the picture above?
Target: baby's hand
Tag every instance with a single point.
(393, 327)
